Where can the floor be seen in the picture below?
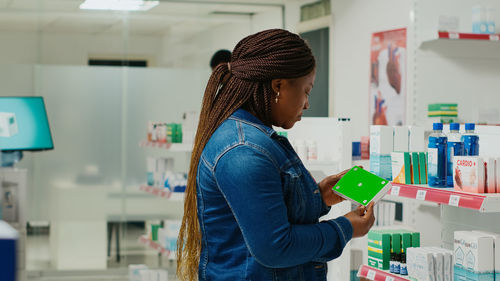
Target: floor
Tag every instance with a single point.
(131, 251)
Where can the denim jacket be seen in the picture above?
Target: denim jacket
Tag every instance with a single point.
(259, 208)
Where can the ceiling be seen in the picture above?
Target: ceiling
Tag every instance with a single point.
(183, 16)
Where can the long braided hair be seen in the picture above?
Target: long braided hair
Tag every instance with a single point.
(245, 82)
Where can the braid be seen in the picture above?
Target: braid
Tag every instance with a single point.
(255, 61)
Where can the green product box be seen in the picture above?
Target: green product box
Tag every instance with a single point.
(170, 132)
(379, 248)
(415, 172)
(405, 241)
(401, 167)
(361, 186)
(396, 243)
(415, 239)
(154, 231)
(422, 159)
(178, 133)
(442, 110)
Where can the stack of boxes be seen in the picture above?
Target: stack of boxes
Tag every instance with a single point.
(476, 174)
(430, 264)
(397, 153)
(477, 255)
(387, 248)
(165, 233)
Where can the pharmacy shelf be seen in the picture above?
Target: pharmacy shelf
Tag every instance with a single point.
(144, 239)
(485, 203)
(181, 147)
(372, 273)
(163, 192)
(462, 36)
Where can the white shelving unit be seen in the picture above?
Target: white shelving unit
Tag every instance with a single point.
(180, 147)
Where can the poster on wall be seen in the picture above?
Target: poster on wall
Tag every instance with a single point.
(388, 78)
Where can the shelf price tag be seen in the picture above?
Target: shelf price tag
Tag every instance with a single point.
(494, 37)
(389, 278)
(454, 35)
(395, 190)
(421, 194)
(454, 199)
(371, 274)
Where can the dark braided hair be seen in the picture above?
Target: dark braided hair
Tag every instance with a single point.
(245, 82)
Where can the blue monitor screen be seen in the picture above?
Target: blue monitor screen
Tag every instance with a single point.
(24, 124)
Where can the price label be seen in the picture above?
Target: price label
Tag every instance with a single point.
(389, 278)
(454, 199)
(454, 35)
(395, 190)
(494, 37)
(421, 194)
(371, 274)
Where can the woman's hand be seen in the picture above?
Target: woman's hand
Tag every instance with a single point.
(361, 219)
(329, 197)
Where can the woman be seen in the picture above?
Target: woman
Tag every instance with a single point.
(251, 209)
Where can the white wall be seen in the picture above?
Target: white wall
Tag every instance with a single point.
(353, 24)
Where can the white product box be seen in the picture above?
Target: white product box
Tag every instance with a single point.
(157, 275)
(439, 263)
(381, 140)
(400, 142)
(421, 264)
(473, 255)
(496, 245)
(468, 174)
(447, 263)
(376, 214)
(8, 124)
(416, 139)
(490, 175)
(497, 175)
(387, 213)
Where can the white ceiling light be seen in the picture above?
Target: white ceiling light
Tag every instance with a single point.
(118, 5)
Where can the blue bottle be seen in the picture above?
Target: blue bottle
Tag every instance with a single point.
(437, 158)
(455, 148)
(470, 140)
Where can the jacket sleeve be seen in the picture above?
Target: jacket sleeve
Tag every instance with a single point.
(250, 181)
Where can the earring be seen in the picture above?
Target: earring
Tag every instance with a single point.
(277, 95)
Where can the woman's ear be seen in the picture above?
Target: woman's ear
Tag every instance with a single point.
(276, 85)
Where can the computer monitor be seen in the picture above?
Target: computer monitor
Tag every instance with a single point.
(24, 124)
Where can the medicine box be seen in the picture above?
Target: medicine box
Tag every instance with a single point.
(490, 177)
(416, 139)
(415, 168)
(400, 142)
(474, 256)
(379, 248)
(361, 186)
(422, 159)
(420, 264)
(401, 167)
(468, 174)
(496, 245)
(381, 140)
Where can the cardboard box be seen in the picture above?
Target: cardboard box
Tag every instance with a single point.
(447, 263)
(468, 174)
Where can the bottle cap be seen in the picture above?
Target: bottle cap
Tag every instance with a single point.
(437, 126)
(454, 126)
(470, 126)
